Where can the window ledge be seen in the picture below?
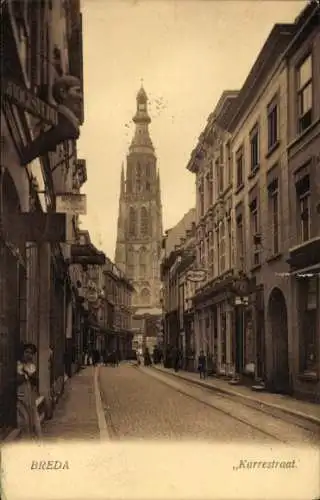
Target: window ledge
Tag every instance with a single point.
(301, 135)
(309, 377)
(274, 257)
(272, 149)
(254, 172)
(239, 188)
(254, 268)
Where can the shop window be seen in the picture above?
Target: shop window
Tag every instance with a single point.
(223, 337)
(309, 296)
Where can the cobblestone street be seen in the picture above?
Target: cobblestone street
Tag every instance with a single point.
(141, 403)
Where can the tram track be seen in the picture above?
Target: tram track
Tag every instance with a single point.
(199, 399)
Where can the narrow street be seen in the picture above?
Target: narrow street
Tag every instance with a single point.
(141, 403)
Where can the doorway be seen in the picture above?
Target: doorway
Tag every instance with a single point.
(278, 320)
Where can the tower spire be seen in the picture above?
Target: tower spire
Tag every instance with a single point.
(141, 141)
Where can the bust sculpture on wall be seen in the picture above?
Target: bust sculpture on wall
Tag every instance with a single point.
(67, 93)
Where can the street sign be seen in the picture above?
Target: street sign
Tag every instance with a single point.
(71, 203)
(196, 275)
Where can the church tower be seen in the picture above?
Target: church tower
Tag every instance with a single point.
(140, 214)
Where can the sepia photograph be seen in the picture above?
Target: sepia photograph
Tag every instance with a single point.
(160, 248)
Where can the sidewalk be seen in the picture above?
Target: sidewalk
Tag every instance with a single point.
(276, 403)
(75, 416)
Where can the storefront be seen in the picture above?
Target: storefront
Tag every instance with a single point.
(305, 320)
(12, 306)
(214, 325)
(61, 355)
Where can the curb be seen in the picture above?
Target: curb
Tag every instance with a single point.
(246, 399)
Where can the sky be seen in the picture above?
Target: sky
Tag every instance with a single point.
(187, 53)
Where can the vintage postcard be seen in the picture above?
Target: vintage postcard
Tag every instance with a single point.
(160, 250)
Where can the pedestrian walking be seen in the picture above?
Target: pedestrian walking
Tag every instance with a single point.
(85, 358)
(27, 411)
(96, 357)
(202, 365)
(176, 359)
(147, 357)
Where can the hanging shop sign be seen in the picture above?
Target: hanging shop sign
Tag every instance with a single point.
(241, 301)
(36, 227)
(71, 203)
(196, 275)
(29, 102)
(64, 119)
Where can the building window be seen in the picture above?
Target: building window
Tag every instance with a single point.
(254, 226)
(219, 176)
(130, 262)
(303, 194)
(272, 112)
(240, 242)
(202, 256)
(309, 297)
(304, 81)
(217, 251)
(273, 192)
(138, 178)
(144, 222)
(230, 247)
(229, 164)
(211, 255)
(201, 198)
(240, 166)
(223, 336)
(132, 222)
(143, 262)
(254, 147)
(209, 183)
(145, 296)
(222, 247)
(207, 250)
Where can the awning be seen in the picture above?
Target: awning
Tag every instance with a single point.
(311, 270)
(87, 255)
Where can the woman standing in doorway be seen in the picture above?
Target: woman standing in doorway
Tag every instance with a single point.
(28, 416)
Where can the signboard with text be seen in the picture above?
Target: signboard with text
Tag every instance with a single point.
(196, 275)
(71, 203)
(23, 98)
